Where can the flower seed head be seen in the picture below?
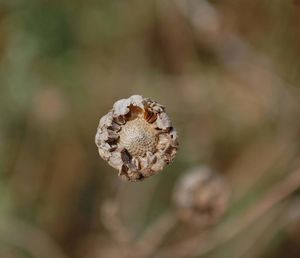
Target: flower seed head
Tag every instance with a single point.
(201, 196)
(137, 138)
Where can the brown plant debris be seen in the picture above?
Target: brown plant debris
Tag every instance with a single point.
(201, 196)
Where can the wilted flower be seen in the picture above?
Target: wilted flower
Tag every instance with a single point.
(201, 196)
(137, 138)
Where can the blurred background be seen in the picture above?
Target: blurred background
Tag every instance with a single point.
(228, 73)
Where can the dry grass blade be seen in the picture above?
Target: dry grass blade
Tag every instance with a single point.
(156, 233)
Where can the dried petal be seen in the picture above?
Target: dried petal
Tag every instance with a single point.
(121, 107)
(106, 120)
(163, 121)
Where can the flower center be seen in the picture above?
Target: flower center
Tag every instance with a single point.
(138, 137)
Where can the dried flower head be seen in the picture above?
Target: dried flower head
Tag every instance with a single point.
(137, 138)
(201, 196)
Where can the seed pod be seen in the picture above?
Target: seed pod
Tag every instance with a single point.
(201, 197)
(137, 138)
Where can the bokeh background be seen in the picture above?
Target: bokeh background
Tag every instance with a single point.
(228, 73)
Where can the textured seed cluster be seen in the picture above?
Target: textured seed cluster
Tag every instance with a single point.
(137, 138)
